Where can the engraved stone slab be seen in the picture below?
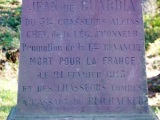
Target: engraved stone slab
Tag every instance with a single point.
(81, 57)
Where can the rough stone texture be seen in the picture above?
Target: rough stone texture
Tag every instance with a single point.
(149, 116)
(82, 57)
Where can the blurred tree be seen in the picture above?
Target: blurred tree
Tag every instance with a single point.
(9, 24)
(152, 25)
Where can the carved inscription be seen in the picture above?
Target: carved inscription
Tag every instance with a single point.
(86, 88)
(92, 101)
(85, 5)
(84, 54)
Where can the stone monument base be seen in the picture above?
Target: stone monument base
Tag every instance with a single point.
(150, 116)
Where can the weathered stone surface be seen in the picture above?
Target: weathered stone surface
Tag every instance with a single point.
(149, 116)
(84, 58)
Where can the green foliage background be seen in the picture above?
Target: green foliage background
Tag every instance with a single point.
(152, 26)
(10, 12)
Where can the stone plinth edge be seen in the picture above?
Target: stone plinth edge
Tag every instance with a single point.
(150, 116)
